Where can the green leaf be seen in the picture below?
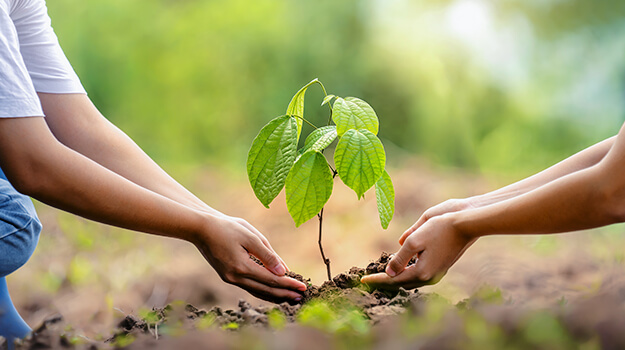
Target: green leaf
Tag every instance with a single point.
(271, 157)
(327, 99)
(385, 196)
(296, 106)
(360, 159)
(354, 113)
(321, 138)
(308, 186)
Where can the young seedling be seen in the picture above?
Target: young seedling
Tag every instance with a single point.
(275, 162)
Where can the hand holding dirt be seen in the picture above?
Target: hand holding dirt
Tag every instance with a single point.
(436, 244)
(227, 244)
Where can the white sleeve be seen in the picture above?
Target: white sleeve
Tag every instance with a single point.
(47, 65)
(17, 94)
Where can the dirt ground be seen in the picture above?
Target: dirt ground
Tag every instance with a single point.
(95, 275)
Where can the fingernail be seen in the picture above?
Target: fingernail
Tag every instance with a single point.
(297, 299)
(279, 269)
(302, 288)
(390, 271)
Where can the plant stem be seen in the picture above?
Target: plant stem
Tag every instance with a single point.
(325, 94)
(307, 122)
(320, 216)
(323, 256)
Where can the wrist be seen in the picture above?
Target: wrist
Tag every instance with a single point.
(475, 202)
(464, 224)
(207, 224)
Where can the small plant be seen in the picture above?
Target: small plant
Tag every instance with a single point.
(275, 162)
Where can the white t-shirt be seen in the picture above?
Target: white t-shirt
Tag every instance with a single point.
(31, 59)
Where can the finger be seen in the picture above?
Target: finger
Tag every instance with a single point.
(407, 233)
(269, 258)
(424, 217)
(407, 279)
(401, 258)
(263, 276)
(263, 239)
(268, 245)
(268, 293)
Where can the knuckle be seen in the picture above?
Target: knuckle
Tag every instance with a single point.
(239, 270)
(272, 259)
(396, 263)
(411, 244)
(273, 282)
(228, 277)
(254, 240)
(425, 275)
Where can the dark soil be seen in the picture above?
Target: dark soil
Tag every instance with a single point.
(401, 319)
(376, 305)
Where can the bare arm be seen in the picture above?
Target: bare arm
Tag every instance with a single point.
(591, 197)
(581, 160)
(78, 124)
(40, 166)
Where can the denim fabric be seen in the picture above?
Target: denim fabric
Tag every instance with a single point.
(19, 228)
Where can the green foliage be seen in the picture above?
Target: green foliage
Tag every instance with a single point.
(321, 315)
(271, 157)
(151, 317)
(308, 186)
(185, 78)
(384, 194)
(206, 321)
(296, 106)
(354, 113)
(489, 295)
(123, 340)
(230, 326)
(544, 329)
(276, 318)
(327, 99)
(319, 139)
(359, 158)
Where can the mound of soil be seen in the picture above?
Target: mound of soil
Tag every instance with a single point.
(376, 305)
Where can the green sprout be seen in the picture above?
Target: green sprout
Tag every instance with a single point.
(275, 162)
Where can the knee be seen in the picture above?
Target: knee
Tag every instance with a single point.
(18, 244)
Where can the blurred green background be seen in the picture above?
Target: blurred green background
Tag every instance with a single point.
(478, 92)
(505, 87)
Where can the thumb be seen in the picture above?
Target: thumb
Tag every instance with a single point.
(400, 259)
(268, 257)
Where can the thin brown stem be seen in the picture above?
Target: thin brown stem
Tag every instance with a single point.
(323, 256)
(320, 216)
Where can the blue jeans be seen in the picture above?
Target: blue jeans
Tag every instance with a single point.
(19, 228)
(19, 235)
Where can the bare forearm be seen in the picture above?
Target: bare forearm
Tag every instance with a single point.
(77, 123)
(573, 202)
(581, 160)
(587, 198)
(125, 158)
(45, 169)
